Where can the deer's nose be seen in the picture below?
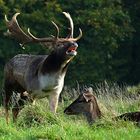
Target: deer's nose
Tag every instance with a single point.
(67, 111)
(75, 44)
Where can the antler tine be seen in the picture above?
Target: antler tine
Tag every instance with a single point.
(7, 23)
(40, 40)
(77, 38)
(80, 35)
(31, 35)
(57, 28)
(15, 17)
(6, 19)
(71, 23)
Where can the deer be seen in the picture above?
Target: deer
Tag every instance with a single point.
(86, 104)
(37, 76)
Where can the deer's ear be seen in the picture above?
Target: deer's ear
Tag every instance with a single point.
(87, 97)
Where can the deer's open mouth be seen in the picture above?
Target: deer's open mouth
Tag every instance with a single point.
(72, 51)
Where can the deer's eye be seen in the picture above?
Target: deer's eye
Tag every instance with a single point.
(60, 45)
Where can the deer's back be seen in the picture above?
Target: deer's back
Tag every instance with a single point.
(22, 65)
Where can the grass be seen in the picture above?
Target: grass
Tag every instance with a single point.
(37, 123)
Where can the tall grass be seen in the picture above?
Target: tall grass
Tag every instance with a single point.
(36, 122)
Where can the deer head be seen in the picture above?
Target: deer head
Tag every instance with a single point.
(85, 104)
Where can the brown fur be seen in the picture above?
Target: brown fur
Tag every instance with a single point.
(130, 116)
(85, 104)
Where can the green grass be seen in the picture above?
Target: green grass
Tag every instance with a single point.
(71, 130)
(37, 123)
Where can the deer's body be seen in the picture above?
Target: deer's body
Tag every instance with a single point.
(26, 71)
(38, 76)
(29, 73)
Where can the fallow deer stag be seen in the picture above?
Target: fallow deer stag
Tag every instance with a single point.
(86, 104)
(38, 76)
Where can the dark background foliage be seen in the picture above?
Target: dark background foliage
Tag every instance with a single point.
(109, 49)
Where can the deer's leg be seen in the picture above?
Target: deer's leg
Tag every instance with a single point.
(6, 113)
(19, 105)
(6, 105)
(53, 101)
(6, 100)
(15, 111)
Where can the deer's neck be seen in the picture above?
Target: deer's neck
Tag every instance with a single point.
(90, 118)
(93, 114)
(54, 63)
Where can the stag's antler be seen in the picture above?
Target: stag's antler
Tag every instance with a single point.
(70, 37)
(15, 31)
(71, 24)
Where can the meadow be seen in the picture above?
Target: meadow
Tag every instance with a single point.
(36, 122)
